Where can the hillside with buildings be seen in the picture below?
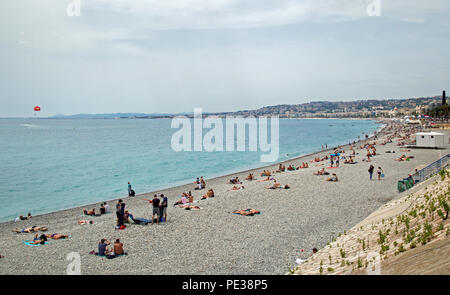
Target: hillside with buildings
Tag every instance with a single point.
(389, 108)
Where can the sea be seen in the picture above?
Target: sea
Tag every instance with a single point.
(48, 165)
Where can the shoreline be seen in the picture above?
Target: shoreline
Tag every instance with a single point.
(379, 131)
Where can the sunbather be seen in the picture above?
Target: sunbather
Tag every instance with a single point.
(81, 222)
(275, 185)
(30, 229)
(236, 188)
(250, 177)
(209, 194)
(56, 236)
(247, 212)
(234, 180)
(90, 212)
(191, 207)
(333, 178)
(38, 240)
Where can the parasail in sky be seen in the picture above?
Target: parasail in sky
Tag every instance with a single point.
(36, 109)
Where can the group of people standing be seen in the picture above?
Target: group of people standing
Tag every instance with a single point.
(380, 172)
(159, 208)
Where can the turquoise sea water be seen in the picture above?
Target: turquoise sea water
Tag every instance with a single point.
(49, 165)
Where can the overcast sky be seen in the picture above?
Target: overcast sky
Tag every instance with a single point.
(221, 55)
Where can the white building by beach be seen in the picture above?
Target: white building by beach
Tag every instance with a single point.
(430, 140)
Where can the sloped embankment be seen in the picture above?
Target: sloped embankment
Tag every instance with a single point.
(409, 235)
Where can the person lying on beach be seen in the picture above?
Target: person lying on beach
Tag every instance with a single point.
(209, 194)
(247, 212)
(268, 178)
(30, 229)
(23, 218)
(321, 172)
(403, 158)
(236, 188)
(56, 236)
(277, 185)
(82, 222)
(349, 161)
(250, 177)
(39, 240)
(90, 212)
(333, 177)
(291, 168)
(191, 207)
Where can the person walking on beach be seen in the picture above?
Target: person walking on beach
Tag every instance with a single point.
(371, 168)
(163, 207)
(379, 172)
(129, 189)
(156, 211)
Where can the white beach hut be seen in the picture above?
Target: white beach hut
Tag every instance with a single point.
(430, 140)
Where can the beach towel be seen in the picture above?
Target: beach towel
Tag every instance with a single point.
(28, 243)
(107, 256)
(140, 221)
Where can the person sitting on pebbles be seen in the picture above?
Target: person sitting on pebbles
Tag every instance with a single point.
(209, 194)
(250, 177)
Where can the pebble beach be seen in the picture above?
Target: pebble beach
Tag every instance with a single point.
(213, 241)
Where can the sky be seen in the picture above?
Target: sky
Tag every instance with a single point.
(170, 56)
